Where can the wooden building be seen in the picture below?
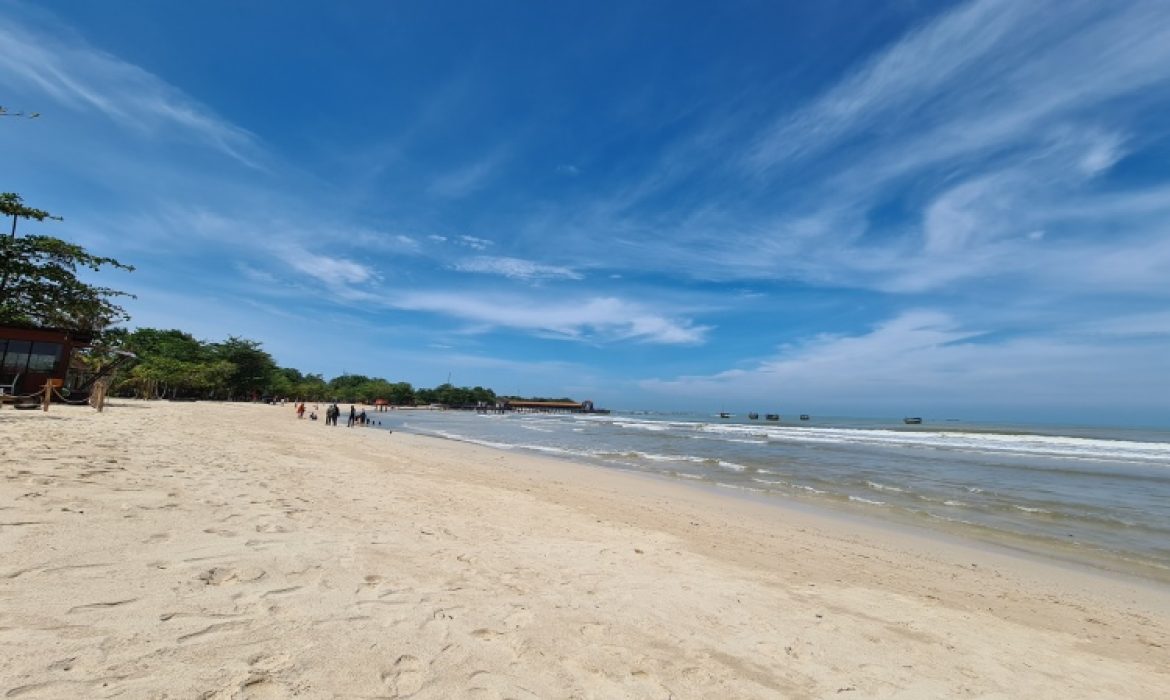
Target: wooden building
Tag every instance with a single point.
(553, 407)
(30, 356)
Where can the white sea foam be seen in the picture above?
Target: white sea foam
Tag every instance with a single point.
(739, 487)
(1039, 445)
(806, 488)
(774, 482)
(1027, 509)
(474, 441)
(732, 465)
(859, 499)
(882, 487)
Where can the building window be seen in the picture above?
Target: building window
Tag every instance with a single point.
(16, 357)
(44, 357)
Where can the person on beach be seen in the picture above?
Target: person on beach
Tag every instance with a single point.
(362, 417)
(352, 417)
(301, 410)
(334, 412)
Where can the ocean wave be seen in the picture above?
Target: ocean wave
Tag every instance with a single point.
(1030, 509)
(810, 489)
(1025, 444)
(739, 487)
(771, 482)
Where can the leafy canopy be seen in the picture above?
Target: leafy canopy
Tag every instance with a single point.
(38, 278)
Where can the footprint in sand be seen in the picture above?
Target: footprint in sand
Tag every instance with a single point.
(405, 678)
(269, 528)
(218, 576)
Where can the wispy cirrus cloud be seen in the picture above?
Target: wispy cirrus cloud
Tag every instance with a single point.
(516, 268)
(603, 319)
(80, 77)
(982, 77)
(975, 122)
(466, 179)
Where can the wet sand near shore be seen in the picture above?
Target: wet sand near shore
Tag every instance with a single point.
(233, 551)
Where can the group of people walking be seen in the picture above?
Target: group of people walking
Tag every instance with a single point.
(333, 412)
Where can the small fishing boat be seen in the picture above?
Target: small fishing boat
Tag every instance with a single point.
(772, 416)
(724, 414)
(754, 416)
(912, 421)
(804, 416)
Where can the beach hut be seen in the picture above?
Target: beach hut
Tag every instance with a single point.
(381, 404)
(31, 356)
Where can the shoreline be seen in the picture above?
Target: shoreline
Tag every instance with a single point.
(232, 550)
(1042, 550)
(862, 528)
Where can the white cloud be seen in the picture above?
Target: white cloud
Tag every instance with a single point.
(926, 360)
(474, 243)
(333, 271)
(516, 268)
(594, 319)
(980, 77)
(986, 124)
(467, 179)
(1141, 324)
(86, 79)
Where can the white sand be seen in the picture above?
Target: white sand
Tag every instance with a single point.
(230, 551)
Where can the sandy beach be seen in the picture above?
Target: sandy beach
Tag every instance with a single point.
(202, 550)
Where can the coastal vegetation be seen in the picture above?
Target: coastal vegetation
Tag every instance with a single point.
(39, 286)
(173, 364)
(38, 277)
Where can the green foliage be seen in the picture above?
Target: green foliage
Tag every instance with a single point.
(174, 364)
(12, 204)
(38, 278)
(173, 343)
(39, 285)
(450, 395)
(255, 373)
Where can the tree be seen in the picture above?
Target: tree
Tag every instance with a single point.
(174, 344)
(254, 368)
(38, 278)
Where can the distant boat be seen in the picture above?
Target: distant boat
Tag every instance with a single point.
(912, 421)
(772, 416)
(804, 416)
(724, 414)
(754, 416)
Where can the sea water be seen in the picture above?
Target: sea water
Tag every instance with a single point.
(1097, 495)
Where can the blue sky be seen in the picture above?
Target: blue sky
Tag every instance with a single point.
(856, 208)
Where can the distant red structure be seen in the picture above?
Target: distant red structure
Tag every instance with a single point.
(552, 407)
